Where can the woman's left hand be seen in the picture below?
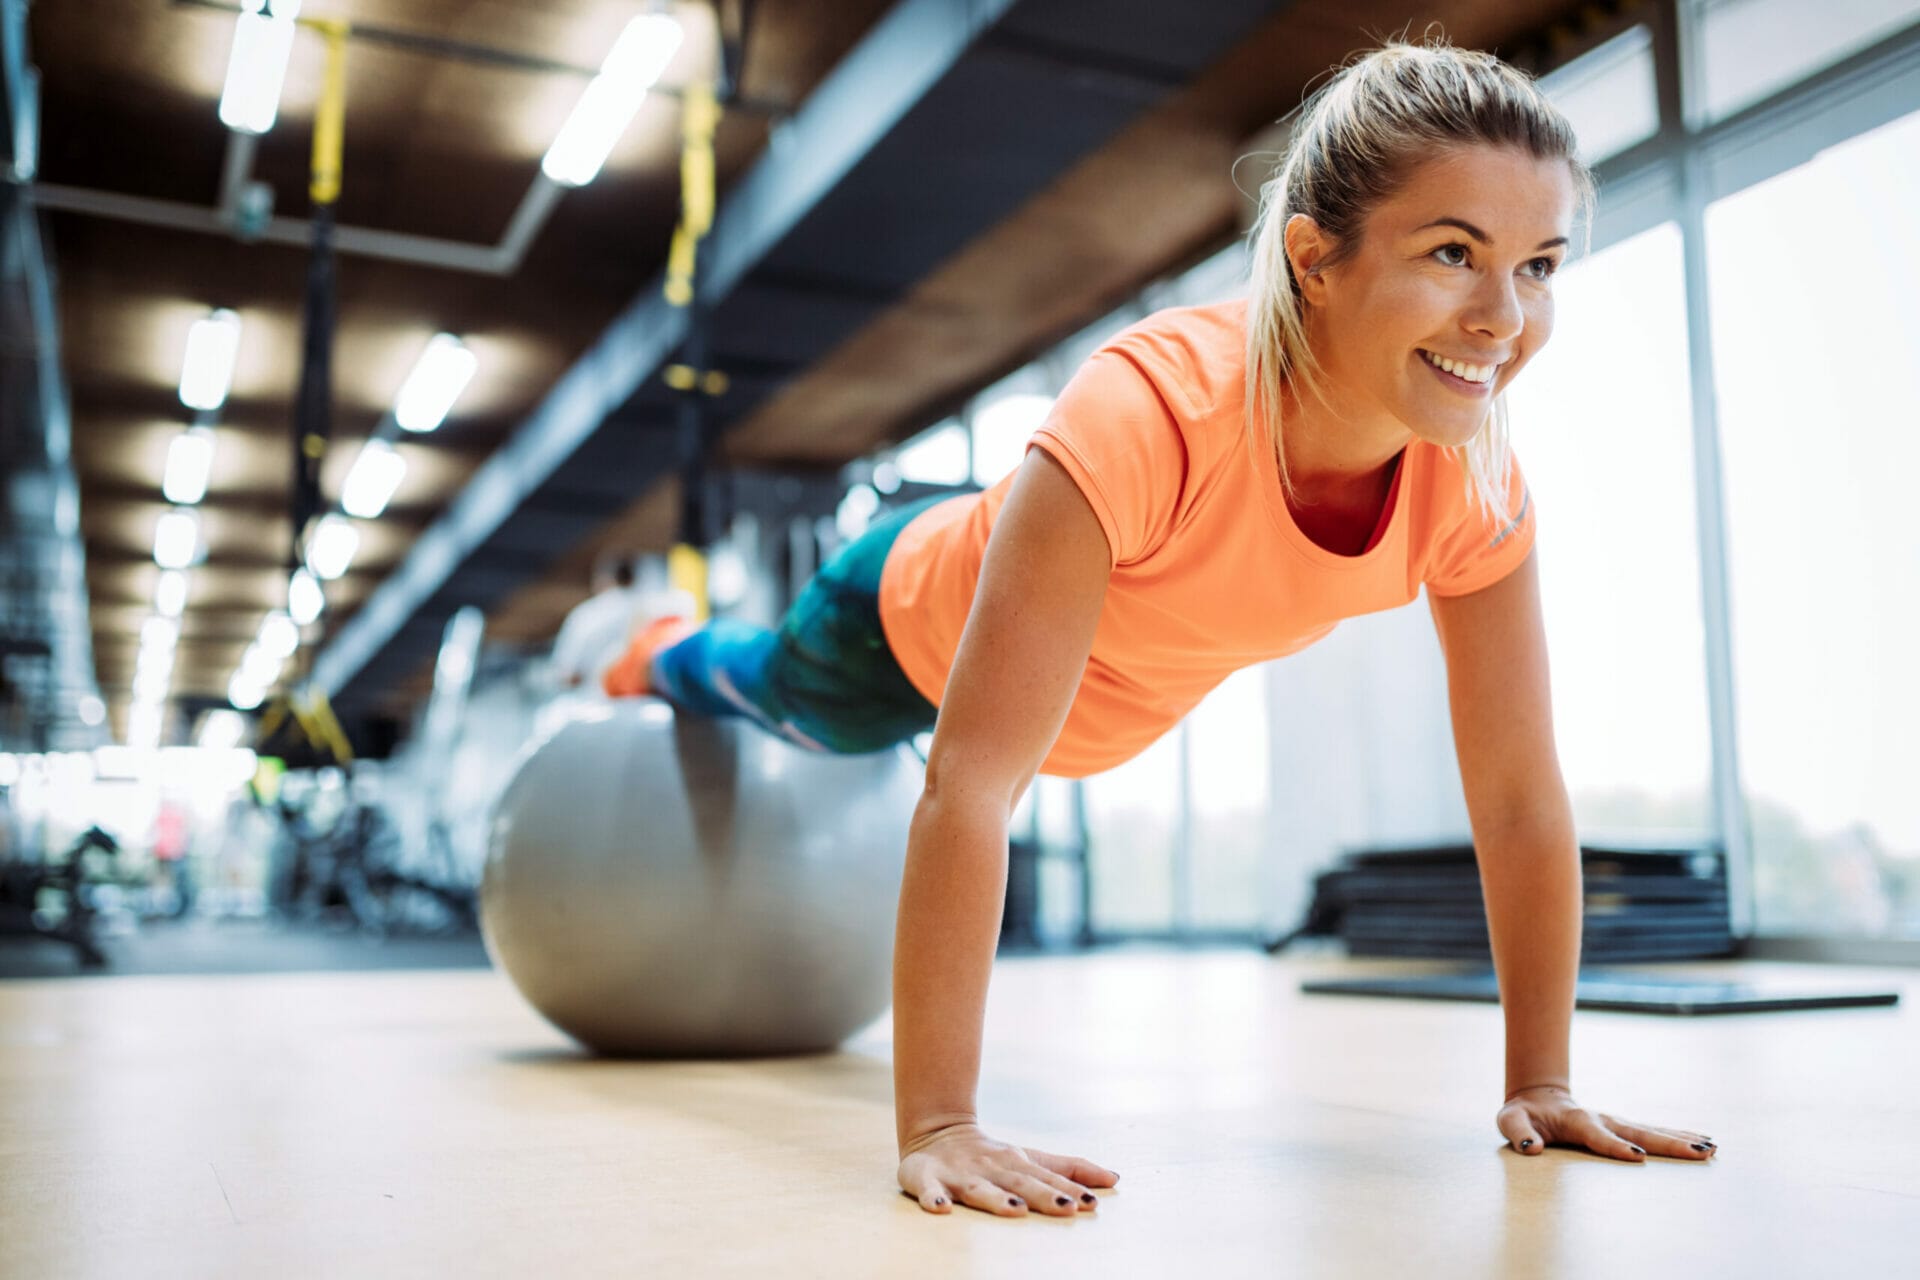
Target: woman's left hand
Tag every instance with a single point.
(1546, 1115)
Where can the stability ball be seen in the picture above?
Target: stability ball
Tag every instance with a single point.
(670, 886)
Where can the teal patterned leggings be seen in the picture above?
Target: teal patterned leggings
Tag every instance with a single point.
(824, 678)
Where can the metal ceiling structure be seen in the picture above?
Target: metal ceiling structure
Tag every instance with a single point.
(915, 199)
(941, 122)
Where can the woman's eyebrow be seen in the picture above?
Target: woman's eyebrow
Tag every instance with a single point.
(1482, 236)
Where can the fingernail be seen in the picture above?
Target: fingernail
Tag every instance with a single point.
(1525, 1143)
(1086, 1197)
(1013, 1201)
(1639, 1151)
(939, 1200)
(1702, 1146)
(1061, 1200)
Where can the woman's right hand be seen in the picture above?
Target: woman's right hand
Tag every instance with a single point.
(960, 1163)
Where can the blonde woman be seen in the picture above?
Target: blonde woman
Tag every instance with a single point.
(1220, 486)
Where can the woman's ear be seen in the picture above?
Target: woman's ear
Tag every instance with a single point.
(1307, 248)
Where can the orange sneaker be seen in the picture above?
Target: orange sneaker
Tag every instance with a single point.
(627, 677)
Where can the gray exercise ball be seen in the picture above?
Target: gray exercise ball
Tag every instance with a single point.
(668, 886)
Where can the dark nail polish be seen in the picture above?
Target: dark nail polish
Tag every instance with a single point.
(1525, 1143)
(1701, 1146)
(1639, 1151)
(939, 1201)
(1062, 1200)
(1086, 1197)
(1012, 1201)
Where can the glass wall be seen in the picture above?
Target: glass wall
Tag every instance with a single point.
(1602, 427)
(1815, 294)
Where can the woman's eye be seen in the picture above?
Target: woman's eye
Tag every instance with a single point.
(1452, 248)
(1547, 267)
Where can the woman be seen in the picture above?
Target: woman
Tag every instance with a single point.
(1219, 486)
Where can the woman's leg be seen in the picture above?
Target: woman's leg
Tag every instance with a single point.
(826, 678)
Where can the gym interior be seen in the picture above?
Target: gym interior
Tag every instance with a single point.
(347, 927)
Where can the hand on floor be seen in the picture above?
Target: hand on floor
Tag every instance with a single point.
(960, 1163)
(1547, 1115)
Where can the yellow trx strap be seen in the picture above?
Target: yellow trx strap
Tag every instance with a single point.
(330, 121)
(699, 117)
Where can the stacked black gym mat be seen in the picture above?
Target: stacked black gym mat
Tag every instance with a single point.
(1655, 903)
(1641, 904)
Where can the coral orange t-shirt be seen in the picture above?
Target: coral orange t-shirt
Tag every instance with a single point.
(1210, 572)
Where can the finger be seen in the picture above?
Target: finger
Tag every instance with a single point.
(1660, 1142)
(1517, 1128)
(1040, 1195)
(992, 1198)
(1084, 1172)
(1082, 1199)
(1597, 1137)
(931, 1195)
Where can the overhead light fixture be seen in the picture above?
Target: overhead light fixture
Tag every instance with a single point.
(632, 67)
(305, 600)
(143, 725)
(176, 539)
(158, 635)
(151, 684)
(330, 550)
(278, 635)
(207, 374)
(189, 463)
(375, 475)
(93, 712)
(222, 729)
(443, 371)
(243, 695)
(262, 39)
(170, 593)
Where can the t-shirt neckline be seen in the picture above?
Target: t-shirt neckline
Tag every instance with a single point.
(1296, 537)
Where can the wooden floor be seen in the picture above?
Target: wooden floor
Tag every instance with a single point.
(423, 1124)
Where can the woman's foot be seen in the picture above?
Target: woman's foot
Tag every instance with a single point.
(630, 674)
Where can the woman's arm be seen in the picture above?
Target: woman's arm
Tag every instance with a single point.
(1019, 662)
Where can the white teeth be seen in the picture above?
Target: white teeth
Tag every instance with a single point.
(1459, 369)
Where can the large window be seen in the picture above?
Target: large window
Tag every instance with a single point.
(1750, 48)
(1816, 317)
(1601, 425)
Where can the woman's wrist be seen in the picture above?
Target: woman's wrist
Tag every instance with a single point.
(925, 1130)
(1557, 1086)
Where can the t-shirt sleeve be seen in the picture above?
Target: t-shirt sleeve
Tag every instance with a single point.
(1115, 436)
(1477, 552)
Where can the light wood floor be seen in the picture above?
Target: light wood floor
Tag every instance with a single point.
(427, 1124)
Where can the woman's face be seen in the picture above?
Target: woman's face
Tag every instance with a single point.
(1455, 266)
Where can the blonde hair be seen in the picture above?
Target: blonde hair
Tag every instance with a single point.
(1357, 140)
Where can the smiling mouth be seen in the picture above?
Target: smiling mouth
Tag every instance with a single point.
(1454, 380)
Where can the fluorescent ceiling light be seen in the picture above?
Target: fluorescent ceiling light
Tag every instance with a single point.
(331, 548)
(207, 374)
(189, 463)
(305, 600)
(444, 370)
(158, 634)
(244, 694)
(638, 58)
(371, 483)
(260, 666)
(278, 635)
(143, 725)
(151, 685)
(257, 65)
(170, 593)
(176, 539)
(222, 729)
